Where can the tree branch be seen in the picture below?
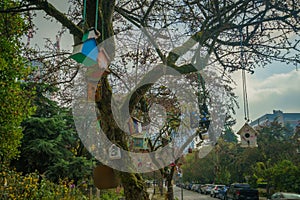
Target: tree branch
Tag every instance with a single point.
(59, 16)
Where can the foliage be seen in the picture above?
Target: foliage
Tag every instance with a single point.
(14, 99)
(219, 29)
(51, 145)
(275, 162)
(14, 185)
(229, 135)
(111, 195)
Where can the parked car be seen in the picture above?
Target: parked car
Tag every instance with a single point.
(222, 193)
(241, 191)
(208, 188)
(215, 190)
(202, 189)
(189, 186)
(285, 196)
(195, 187)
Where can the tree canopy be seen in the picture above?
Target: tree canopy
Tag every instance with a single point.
(223, 35)
(15, 100)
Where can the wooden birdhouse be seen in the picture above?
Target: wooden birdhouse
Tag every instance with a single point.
(103, 59)
(105, 178)
(139, 142)
(135, 126)
(248, 136)
(114, 152)
(86, 52)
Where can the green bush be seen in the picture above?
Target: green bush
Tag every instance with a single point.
(14, 185)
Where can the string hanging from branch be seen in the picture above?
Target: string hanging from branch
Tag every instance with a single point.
(244, 82)
(247, 133)
(87, 51)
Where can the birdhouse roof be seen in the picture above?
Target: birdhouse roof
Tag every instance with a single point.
(137, 136)
(136, 119)
(247, 128)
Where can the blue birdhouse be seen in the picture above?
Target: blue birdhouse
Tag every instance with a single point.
(87, 51)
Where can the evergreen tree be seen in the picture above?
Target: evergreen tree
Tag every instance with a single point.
(50, 144)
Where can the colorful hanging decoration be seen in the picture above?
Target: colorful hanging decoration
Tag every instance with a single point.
(114, 152)
(248, 136)
(135, 126)
(87, 51)
(138, 141)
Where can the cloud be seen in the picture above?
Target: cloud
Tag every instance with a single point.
(276, 92)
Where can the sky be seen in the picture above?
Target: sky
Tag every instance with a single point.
(274, 87)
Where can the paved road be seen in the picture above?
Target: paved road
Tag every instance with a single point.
(190, 195)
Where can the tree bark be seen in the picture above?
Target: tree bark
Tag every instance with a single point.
(134, 186)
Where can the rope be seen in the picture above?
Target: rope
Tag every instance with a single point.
(84, 13)
(245, 95)
(96, 15)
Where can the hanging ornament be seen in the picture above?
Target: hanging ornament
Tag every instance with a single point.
(114, 152)
(248, 136)
(86, 52)
(247, 133)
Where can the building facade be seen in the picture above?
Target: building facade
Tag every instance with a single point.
(286, 119)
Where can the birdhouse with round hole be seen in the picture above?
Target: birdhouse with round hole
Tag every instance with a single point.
(87, 51)
(114, 152)
(248, 136)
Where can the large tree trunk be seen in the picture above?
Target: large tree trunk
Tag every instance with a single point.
(134, 186)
